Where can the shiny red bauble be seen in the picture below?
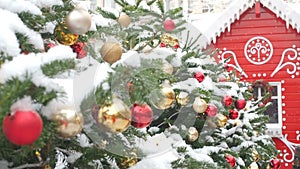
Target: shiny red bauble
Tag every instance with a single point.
(227, 101)
(240, 104)
(231, 160)
(275, 163)
(23, 127)
(211, 110)
(169, 25)
(233, 114)
(141, 115)
(199, 76)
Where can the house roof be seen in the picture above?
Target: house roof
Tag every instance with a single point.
(219, 22)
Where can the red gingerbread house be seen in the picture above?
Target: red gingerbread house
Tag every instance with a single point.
(263, 40)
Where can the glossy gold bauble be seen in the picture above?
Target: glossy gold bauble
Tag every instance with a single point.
(253, 165)
(111, 52)
(115, 117)
(199, 105)
(64, 36)
(167, 68)
(193, 134)
(255, 155)
(79, 21)
(124, 20)
(162, 98)
(183, 98)
(221, 120)
(69, 122)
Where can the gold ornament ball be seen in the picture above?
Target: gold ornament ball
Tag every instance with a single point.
(111, 52)
(70, 122)
(167, 68)
(130, 161)
(221, 120)
(199, 105)
(255, 155)
(115, 117)
(79, 21)
(162, 98)
(253, 165)
(193, 134)
(183, 98)
(124, 20)
(63, 36)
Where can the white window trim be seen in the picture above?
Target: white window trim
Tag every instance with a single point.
(275, 130)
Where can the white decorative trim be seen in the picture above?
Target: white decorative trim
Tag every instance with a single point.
(287, 55)
(258, 50)
(236, 64)
(291, 147)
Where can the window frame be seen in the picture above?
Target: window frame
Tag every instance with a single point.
(275, 129)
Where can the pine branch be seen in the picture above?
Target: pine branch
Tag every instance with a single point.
(58, 66)
(106, 14)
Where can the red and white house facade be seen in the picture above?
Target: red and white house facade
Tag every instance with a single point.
(263, 39)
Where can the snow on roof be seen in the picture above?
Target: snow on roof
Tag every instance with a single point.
(212, 25)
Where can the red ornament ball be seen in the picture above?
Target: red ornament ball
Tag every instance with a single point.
(231, 160)
(23, 127)
(240, 104)
(261, 104)
(233, 114)
(211, 110)
(275, 163)
(227, 101)
(199, 76)
(141, 115)
(169, 25)
(79, 48)
(163, 45)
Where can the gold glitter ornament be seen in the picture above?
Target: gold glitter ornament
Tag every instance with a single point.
(221, 120)
(255, 155)
(64, 36)
(69, 122)
(183, 98)
(111, 52)
(169, 40)
(115, 117)
(193, 134)
(199, 105)
(162, 98)
(130, 161)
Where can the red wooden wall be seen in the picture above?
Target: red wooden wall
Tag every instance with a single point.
(274, 29)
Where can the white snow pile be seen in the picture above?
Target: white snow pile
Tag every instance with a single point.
(161, 150)
(46, 3)
(18, 6)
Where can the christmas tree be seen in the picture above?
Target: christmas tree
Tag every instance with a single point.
(108, 88)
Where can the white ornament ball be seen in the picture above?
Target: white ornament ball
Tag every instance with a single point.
(79, 21)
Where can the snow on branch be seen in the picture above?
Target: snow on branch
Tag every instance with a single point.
(12, 24)
(18, 6)
(46, 3)
(31, 64)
